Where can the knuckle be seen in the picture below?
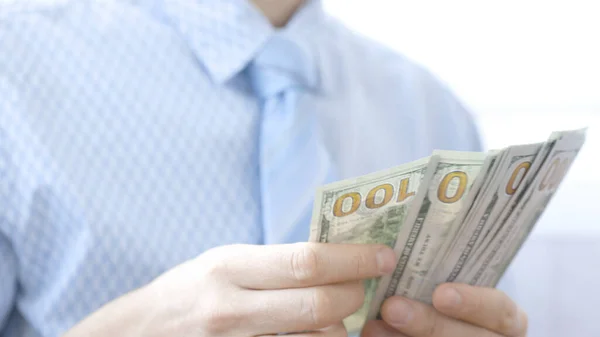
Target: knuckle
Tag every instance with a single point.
(214, 268)
(432, 325)
(358, 293)
(219, 317)
(477, 305)
(317, 308)
(219, 321)
(304, 264)
(509, 317)
(218, 310)
(362, 264)
(214, 262)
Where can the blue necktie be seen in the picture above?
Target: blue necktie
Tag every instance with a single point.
(293, 162)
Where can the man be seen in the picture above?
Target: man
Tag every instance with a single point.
(158, 160)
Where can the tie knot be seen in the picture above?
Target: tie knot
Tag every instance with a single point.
(280, 66)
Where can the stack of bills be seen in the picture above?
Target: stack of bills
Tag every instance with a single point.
(451, 217)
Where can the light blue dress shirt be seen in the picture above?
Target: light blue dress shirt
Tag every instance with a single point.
(129, 138)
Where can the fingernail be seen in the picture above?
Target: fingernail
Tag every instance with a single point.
(401, 312)
(451, 298)
(386, 260)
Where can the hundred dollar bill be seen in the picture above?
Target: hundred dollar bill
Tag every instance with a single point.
(366, 210)
(479, 191)
(440, 198)
(511, 173)
(457, 229)
(515, 230)
(516, 174)
(491, 233)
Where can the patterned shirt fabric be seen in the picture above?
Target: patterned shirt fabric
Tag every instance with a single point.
(129, 139)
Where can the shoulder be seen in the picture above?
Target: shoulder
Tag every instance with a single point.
(40, 28)
(59, 10)
(37, 13)
(371, 60)
(34, 30)
(398, 86)
(56, 19)
(59, 44)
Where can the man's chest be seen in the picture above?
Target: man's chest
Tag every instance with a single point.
(108, 190)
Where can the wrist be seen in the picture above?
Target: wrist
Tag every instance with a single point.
(139, 313)
(170, 302)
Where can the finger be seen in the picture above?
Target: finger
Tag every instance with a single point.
(417, 319)
(303, 309)
(304, 264)
(337, 330)
(486, 307)
(380, 329)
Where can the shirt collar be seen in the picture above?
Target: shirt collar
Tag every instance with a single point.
(226, 34)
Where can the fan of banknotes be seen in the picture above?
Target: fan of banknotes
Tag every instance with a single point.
(450, 217)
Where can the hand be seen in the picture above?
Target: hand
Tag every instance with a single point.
(247, 290)
(244, 291)
(459, 310)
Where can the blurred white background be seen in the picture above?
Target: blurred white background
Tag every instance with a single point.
(525, 68)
